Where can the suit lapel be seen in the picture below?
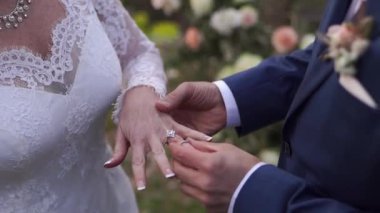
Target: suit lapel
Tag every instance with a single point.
(319, 70)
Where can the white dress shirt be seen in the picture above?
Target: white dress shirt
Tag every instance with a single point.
(233, 115)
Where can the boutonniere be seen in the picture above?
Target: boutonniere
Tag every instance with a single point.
(346, 44)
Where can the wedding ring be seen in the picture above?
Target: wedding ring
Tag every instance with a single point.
(170, 133)
(183, 142)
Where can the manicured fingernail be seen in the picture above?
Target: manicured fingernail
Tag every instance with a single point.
(209, 139)
(140, 186)
(169, 174)
(106, 164)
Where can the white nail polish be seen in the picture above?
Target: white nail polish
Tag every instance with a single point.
(141, 186)
(108, 162)
(169, 175)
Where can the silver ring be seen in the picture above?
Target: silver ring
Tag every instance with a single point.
(170, 133)
(184, 142)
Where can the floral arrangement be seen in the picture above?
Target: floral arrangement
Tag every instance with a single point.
(221, 31)
(226, 31)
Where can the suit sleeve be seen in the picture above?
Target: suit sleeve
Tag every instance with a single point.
(264, 93)
(270, 189)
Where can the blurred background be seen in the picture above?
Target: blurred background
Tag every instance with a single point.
(207, 40)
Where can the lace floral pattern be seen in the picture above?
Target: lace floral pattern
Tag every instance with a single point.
(140, 59)
(32, 118)
(20, 67)
(114, 23)
(77, 124)
(52, 146)
(79, 118)
(35, 194)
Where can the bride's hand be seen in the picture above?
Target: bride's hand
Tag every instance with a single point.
(143, 129)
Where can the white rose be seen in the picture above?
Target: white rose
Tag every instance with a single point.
(244, 62)
(343, 63)
(201, 7)
(249, 16)
(247, 60)
(358, 47)
(225, 72)
(269, 156)
(158, 4)
(171, 6)
(307, 40)
(242, 1)
(172, 73)
(225, 21)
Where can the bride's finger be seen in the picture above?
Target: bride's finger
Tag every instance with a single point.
(160, 157)
(138, 166)
(120, 151)
(186, 132)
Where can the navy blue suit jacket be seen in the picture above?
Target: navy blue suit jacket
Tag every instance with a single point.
(330, 159)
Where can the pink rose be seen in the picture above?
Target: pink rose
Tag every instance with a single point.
(249, 17)
(158, 4)
(342, 34)
(193, 38)
(284, 39)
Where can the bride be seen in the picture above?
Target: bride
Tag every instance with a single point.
(62, 64)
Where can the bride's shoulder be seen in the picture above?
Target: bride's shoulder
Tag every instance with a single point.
(108, 2)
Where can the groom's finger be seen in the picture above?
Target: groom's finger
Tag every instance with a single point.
(159, 155)
(203, 146)
(186, 132)
(213, 201)
(176, 98)
(138, 166)
(200, 195)
(185, 154)
(185, 174)
(120, 151)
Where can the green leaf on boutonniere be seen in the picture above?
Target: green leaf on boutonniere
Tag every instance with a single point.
(365, 26)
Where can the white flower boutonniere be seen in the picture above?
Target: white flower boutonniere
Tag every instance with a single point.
(346, 44)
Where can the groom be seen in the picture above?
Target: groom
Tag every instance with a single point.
(330, 158)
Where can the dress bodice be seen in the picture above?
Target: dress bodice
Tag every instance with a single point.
(52, 113)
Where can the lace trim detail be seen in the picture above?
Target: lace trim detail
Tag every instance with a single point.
(146, 70)
(114, 24)
(20, 67)
(140, 59)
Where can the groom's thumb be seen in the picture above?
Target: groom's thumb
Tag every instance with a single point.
(174, 99)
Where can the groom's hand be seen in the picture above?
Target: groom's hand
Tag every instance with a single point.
(143, 129)
(198, 105)
(210, 172)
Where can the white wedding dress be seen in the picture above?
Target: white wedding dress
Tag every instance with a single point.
(53, 110)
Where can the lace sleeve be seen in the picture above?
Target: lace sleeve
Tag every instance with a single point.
(140, 59)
